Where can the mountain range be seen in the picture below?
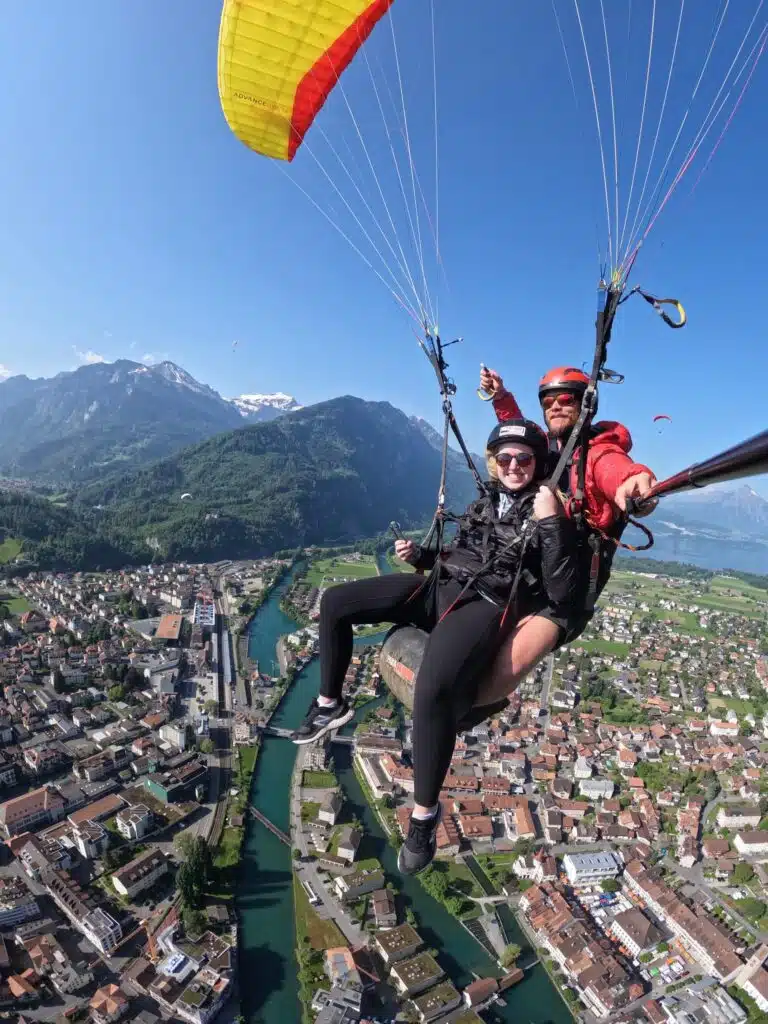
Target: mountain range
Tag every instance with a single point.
(101, 417)
(122, 442)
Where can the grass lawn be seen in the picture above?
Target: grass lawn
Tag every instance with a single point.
(17, 605)
(368, 864)
(247, 758)
(724, 602)
(322, 934)
(318, 780)
(728, 585)
(335, 570)
(604, 646)
(227, 853)
(462, 878)
(10, 549)
(741, 707)
(309, 810)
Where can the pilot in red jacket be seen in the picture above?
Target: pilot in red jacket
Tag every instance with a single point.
(611, 478)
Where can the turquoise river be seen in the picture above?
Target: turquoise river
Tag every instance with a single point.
(268, 985)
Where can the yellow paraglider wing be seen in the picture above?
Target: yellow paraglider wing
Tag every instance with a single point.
(279, 60)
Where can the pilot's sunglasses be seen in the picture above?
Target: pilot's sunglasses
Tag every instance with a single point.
(566, 399)
(523, 459)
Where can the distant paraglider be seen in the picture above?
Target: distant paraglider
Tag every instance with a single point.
(234, 345)
(661, 422)
(184, 496)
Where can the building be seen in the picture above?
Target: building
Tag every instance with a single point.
(416, 974)
(91, 839)
(397, 943)
(108, 1004)
(140, 873)
(756, 986)
(589, 868)
(438, 1002)
(349, 840)
(169, 629)
(99, 927)
(634, 930)
(7, 769)
(741, 816)
(330, 808)
(384, 912)
(17, 904)
(596, 789)
(177, 783)
(134, 822)
(752, 843)
(704, 940)
(175, 733)
(704, 1001)
(351, 887)
(32, 810)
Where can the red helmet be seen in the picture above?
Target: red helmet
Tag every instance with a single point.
(563, 378)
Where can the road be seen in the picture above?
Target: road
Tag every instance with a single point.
(330, 908)
(695, 876)
(544, 704)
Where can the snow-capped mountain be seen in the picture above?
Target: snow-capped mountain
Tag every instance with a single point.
(106, 416)
(259, 408)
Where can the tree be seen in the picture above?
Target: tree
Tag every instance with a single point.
(211, 707)
(751, 908)
(663, 947)
(116, 692)
(511, 955)
(610, 885)
(207, 746)
(296, 853)
(194, 921)
(743, 873)
(59, 686)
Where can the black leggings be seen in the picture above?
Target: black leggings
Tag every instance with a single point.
(459, 649)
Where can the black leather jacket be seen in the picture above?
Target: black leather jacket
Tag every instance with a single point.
(550, 574)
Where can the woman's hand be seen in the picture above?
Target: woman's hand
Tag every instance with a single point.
(491, 383)
(407, 551)
(545, 504)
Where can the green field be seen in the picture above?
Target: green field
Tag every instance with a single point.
(603, 646)
(741, 707)
(326, 571)
(17, 605)
(318, 780)
(10, 549)
(322, 934)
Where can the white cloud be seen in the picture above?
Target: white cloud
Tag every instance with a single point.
(107, 334)
(89, 356)
(150, 358)
(5, 372)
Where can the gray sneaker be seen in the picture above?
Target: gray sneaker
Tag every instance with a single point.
(418, 850)
(319, 721)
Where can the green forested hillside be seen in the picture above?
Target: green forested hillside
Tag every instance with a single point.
(329, 474)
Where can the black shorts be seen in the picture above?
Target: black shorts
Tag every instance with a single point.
(571, 626)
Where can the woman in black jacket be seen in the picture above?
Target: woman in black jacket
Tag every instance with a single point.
(474, 612)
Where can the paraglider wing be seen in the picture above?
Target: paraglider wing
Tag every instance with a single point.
(185, 496)
(280, 59)
(659, 421)
(662, 416)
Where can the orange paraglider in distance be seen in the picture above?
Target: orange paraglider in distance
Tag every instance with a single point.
(279, 61)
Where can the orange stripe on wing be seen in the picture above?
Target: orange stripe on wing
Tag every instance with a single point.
(316, 85)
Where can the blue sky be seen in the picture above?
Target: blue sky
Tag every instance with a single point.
(133, 224)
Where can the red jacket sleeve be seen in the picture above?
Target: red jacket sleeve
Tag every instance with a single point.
(506, 408)
(611, 466)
